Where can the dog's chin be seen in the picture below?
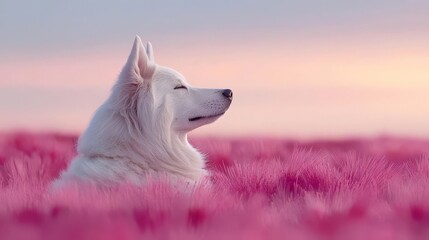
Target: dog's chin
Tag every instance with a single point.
(206, 118)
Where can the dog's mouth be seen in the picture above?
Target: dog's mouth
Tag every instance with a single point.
(205, 117)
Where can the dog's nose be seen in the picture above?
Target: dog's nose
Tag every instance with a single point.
(227, 93)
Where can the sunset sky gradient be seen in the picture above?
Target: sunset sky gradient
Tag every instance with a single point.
(298, 68)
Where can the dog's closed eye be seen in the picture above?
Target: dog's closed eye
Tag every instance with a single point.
(180, 87)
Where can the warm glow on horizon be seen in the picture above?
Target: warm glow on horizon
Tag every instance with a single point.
(278, 90)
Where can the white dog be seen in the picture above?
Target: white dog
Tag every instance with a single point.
(142, 127)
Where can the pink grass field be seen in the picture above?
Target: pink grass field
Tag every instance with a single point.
(258, 189)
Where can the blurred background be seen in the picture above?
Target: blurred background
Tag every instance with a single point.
(299, 69)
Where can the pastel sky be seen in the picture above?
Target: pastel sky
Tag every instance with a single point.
(304, 68)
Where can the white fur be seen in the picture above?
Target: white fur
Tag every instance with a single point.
(142, 127)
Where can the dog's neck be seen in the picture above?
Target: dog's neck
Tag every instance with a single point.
(165, 152)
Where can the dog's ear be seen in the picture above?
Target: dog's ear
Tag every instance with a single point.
(149, 52)
(134, 75)
(139, 65)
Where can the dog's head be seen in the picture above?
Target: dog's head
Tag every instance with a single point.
(161, 95)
